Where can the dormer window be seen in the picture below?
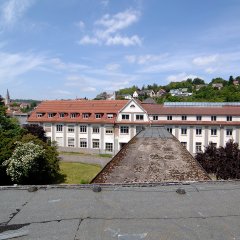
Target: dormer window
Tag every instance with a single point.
(39, 115)
(73, 115)
(85, 115)
(61, 115)
(50, 115)
(97, 115)
(110, 115)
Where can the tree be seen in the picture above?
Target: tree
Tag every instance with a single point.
(36, 130)
(230, 81)
(224, 162)
(101, 96)
(198, 81)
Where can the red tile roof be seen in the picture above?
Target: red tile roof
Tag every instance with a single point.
(77, 106)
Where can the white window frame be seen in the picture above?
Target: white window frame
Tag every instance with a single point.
(198, 147)
(229, 118)
(139, 117)
(95, 143)
(199, 131)
(169, 129)
(183, 131)
(83, 129)
(213, 118)
(155, 117)
(61, 115)
(39, 115)
(229, 132)
(110, 115)
(184, 117)
(85, 115)
(70, 128)
(199, 118)
(83, 143)
(125, 117)
(124, 130)
(213, 131)
(59, 127)
(169, 117)
(108, 147)
(71, 142)
(73, 115)
(50, 115)
(98, 115)
(95, 129)
(109, 130)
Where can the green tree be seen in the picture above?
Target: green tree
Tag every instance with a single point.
(198, 81)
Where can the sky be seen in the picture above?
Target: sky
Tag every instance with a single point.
(78, 48)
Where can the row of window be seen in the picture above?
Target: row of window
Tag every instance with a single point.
(139, 117)
(96, 130)
(229, 131)
(83, 143)
(198, 146)
(75, 115)
(198, 118)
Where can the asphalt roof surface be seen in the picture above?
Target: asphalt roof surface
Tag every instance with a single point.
(154, 155)
(207, 210)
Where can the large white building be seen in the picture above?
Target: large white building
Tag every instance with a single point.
(105, 126)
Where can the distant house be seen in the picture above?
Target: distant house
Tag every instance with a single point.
(25, 105)
(127, 96)
(236, 82)
(111, 96)
(181, 92)
(160, 93)
(135, 94)
(149, 93)
(217, 85)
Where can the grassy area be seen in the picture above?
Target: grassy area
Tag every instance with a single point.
(106, 155)
(78, 173)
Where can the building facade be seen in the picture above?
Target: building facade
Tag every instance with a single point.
(106, 126)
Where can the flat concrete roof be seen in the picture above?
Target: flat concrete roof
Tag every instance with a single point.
(207, 210)
(154, 155)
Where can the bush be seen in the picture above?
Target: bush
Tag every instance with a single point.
(224, 162)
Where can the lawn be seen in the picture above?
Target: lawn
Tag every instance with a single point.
(79, 173)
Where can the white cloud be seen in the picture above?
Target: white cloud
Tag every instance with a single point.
(13, 10)
(180, 77)
(112, 67)
(62, 92)
(88, 89)
(201, 61)
(146, 59)
(110, 27)
(80, 25)
(88, 40)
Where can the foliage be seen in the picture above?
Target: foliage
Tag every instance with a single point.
(24, 161)
(101, 96)
(224, 162)
(36, 130)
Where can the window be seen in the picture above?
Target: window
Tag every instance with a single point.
(83, 143)
(110, 116)
(83, 129)
(214, 132)
(71, 142)
(50, 115)
(199, 118)
(132, 106)
(39, 114)
(155, 118)
(47, 127)
(59, 127)
(214, 144)
(85, 115)
(229, 118)
(183, 131)
(73, 115)
(184, 144)
(139, 117)
(198, 131)
(124, 129)
(229, 132)
(213, 118)
(169, 130)
(109, 147)
(184, 118)
(97, 115)
(109, 131)
(198, 147)
(59, 141)
(61, 115)
(95, 143)
(169, 117)
(95, 129)
(139, 129)
(125, 116)
(70, 128)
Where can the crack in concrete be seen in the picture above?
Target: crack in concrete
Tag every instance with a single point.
(80, 221)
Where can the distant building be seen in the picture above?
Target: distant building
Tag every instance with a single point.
(181, 92)
(135, 94)
(127, 96)
(219, 86)
(161, 93)
(198, 87)
(106, 126)
(236, 82)
(7, 100)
